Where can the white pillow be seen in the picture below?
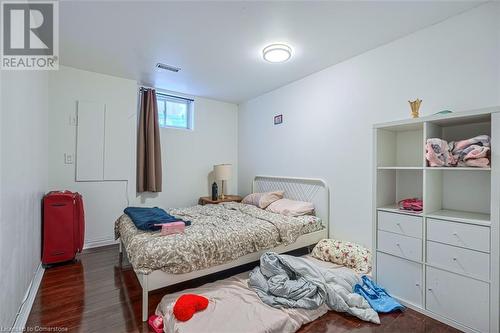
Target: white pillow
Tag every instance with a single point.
(262, 200)
(291, 207)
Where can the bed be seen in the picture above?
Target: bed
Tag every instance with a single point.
(253, 316)
(223, 236)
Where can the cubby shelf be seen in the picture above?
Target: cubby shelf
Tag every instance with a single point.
(460, 216)
(432, 168)
(446, 214)
(394, 208)
(399, 168)
(453, 244)
(458, 168)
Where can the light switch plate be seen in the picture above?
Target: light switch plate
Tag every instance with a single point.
(68, 158)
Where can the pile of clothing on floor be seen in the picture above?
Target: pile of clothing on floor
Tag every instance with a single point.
(473, 152)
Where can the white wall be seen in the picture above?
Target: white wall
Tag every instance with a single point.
(103, 201)
(326, 132)
(188, 156)
(23, 182)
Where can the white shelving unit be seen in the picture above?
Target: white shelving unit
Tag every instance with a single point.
(430, 260)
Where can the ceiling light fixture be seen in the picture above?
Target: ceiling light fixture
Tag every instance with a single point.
(167, 67)
(277, 53)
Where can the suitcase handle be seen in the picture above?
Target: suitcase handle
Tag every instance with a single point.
(58, 204)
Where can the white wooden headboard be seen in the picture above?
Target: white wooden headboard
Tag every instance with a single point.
(303, 189)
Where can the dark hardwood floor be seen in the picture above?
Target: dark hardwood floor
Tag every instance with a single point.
(97, 294)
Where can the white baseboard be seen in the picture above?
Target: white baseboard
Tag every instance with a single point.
(433, 315)
(29, 298)
(99, 243)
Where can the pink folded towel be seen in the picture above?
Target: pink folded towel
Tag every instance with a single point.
(172, 228)
(437, 153)
(475, 151)
(472, 152)
(480, 140)
(476, 162)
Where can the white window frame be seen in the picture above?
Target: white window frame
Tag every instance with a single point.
(190, 109)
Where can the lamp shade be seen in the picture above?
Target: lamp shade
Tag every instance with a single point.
(223, 171)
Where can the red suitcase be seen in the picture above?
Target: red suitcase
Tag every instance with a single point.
(63, 226)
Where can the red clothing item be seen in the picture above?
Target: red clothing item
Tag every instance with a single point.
(187, 305)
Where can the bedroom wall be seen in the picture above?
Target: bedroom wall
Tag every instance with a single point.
(23, 182)
(188, 156)
(328, 116)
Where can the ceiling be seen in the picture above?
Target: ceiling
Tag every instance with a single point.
(218, 45)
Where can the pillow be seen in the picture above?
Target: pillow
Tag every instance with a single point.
(262, 200)
(343, 253)
(291, 207)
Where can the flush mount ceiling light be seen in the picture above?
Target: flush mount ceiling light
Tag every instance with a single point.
(277, 53)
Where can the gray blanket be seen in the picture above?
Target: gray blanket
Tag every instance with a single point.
(284, 281)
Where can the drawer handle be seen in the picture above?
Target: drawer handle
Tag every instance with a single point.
(430, 289)
(417, 284)
(455, 260)
(458, 237)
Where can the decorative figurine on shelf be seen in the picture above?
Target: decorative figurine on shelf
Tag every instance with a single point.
(415, 105)
(215, 190)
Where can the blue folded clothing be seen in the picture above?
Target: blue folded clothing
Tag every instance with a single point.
(145, 218)
(376, 296)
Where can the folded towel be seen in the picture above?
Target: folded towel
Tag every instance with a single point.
(475, 162)
(480, 140)
(475, 151)
(145, 218)
(437, 153)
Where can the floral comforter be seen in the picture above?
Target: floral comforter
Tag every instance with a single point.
(218, 234)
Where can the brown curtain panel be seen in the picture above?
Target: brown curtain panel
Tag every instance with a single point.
(148, 145)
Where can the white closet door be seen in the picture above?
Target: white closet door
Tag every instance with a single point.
(401, 278)
(90, 141)
(458, 298)
(119, 145)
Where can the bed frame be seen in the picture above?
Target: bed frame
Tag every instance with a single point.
(304, 189)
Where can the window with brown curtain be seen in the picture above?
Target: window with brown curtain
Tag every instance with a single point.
(149, 173)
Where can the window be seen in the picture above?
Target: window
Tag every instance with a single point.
(174, 112)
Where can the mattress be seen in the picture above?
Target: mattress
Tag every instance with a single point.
(218, 234)
(252, 315)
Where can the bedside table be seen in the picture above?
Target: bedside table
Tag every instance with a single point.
(228, 198)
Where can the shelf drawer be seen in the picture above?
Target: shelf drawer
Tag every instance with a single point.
(461, 299)
(399, 245)
(469, 236)
(400, 223)
(469, 262)
(401, 278)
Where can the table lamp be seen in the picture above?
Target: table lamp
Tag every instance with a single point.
(223, 173)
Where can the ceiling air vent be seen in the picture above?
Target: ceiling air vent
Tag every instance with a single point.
(167, 67)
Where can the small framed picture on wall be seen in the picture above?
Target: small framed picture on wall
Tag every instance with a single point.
(278, 119)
